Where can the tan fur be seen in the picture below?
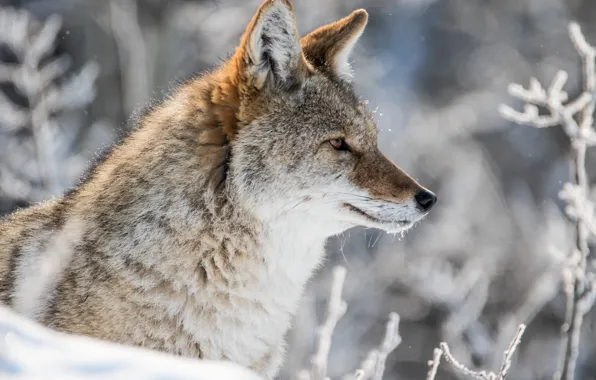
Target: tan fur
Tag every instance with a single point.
(323, 45)
(198, 232)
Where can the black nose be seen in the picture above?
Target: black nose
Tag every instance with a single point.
(425, 199)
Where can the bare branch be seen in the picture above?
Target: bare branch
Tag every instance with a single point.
(373, 366)
(131, 51)
(556, 95)
(434, 364)
(390, 343)
(43, 41)
(12, 117)
(54, 69)
(35, 79)
(14, 27)
(576, 118)
(462, 368)
(588, 53)
(7, 71)
(582, 295)
(510, 351)
(335, 310)
(483, 375)
(368, 366)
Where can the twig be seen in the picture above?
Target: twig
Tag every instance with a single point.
(35, 92)
(460, 367)
(482, 375)
(390, 343)
(373, 367)
(576, 118)
(510, 351)
(132, 52)
(367, 368)
(434, 364)
(335, 310)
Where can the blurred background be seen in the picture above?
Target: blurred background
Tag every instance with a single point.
(74, 72)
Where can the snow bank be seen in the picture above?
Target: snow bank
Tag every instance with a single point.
(31, 351)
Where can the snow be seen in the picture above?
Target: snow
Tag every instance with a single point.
(31, 351)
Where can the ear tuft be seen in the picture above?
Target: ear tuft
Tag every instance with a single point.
(270, 47)
(359, 18)
(329, 47)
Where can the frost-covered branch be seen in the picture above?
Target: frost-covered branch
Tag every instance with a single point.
(390, 343)
(373, 366)
(34, 76)
(576, 118)
(132, 53)
(482, 375)
(434, 364)
(367, 368)
(335, 310)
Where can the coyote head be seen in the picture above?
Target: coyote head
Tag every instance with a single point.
(303, 143)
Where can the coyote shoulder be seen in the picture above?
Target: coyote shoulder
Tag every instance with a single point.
(198, 232)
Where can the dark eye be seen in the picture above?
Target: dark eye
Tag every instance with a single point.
(339, 144)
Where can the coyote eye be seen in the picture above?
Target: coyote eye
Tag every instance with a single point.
(339, 144)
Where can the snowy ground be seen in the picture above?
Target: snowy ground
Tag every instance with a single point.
(30, 351)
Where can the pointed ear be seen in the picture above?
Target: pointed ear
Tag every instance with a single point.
(329, 47)
(270, 48)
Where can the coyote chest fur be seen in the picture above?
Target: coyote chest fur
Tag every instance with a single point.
(198, 232)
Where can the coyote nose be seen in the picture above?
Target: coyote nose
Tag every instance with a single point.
(425, 199)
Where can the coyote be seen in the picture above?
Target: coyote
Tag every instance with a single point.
(197, 233)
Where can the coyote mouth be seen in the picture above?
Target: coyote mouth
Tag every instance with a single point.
(372, 218)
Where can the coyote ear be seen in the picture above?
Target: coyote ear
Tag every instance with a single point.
(329, 47)
(270, 47)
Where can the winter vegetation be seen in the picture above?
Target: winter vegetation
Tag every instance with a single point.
(480, 289)
(373, 367)
(576, 117)
(39, 107)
